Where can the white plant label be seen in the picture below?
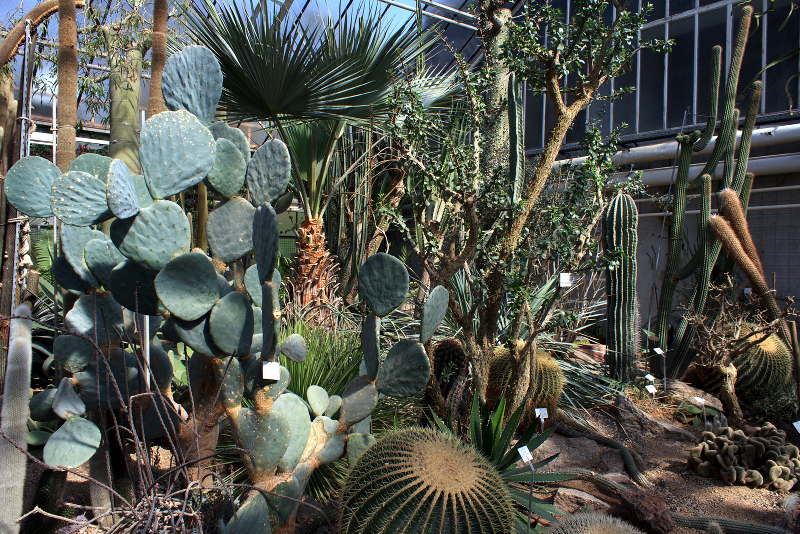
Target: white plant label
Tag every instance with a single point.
(658, 351)
(566, 279)
(748, 291)
(797, 425)
(541, 413)
(525, 454)
(650, 377)
(701, 400)
(651, 388)
(271, 370)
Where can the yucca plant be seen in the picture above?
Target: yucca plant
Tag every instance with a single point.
(490, 433)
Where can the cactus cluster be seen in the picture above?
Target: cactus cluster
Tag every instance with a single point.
(146, 267)
(544, 393)
(425, 481)
(620, 236)
(760, 457)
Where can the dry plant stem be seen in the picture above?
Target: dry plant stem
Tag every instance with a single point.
(202, 217)
(155, 104)
(728, 392)
(727, 237)
(792, 325)
(67, 108)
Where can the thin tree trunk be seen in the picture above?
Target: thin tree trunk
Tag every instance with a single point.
(125, 90)
(67, 110)
(155, 104)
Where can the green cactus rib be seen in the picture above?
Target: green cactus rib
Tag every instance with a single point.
(620, 234)
(713, 99)
(675, 236)
(14, 421)
(424, 481)
(683, 356)
(727, 124)
(747, 135)
(734, 214)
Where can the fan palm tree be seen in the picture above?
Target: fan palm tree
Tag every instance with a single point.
(310, 83)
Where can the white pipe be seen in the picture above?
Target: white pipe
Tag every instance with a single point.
(772, 135)
(761, 166)
(430, 15)
(752, 192)
(749, 209)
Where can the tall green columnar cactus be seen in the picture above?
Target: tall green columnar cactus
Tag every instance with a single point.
(14, 421)
(620, 238)
(705, 258)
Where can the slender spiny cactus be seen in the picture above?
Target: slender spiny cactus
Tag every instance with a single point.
(14, 421)
(620, 235)
(734, 214)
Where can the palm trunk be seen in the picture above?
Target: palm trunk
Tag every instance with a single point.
(155, 103)
(67, 110)
(314, 278)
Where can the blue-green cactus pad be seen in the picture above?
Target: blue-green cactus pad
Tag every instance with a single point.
(359, 398)
(93, 164)
(41, 406)
(132, 285)
(169, 333)
(254, 381)
(98, 316)
(161, 367)
(192, 80)
(197, 336)
(252, 516)
(266, 437)
(270, 319)
(231, 324)
(296, 413)
(405, 371)
(356, 445)
(79, 198)
(101, 256)
(72, 352)
(230, 229)
(268, 172)
(121, 194)
(132, 330)
(231, 381)
(334, 447)
(266, 239)
(225, 286)
(383, 283)
(67, 403)
(221, 130)
(73, 243)
(73, 444)
(318, 399)
(28, 184)
(258, 327)
(280, 508)
(294, 348)
(142, 193)
(257, 345)
(283, 202)
(433, 312)
(155, 236)
(126, 375)
(252, 284)
(227, 175)
(176, 152)
(334, 403)
(160, 413)
(371, 345)
(66, 277)
(187, 286)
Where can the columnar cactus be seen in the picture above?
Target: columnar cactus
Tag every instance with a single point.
(14, 421)
(620, 236)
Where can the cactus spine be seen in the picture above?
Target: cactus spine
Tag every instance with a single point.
(14, 421)
(620, 234)
(591, 523)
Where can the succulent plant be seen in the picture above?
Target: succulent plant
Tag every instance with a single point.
(422, 480)
(449, 364)
(592, 523)
(760, 457)
(546, 391)
(13, 420)
(620, 235)
(714, 528)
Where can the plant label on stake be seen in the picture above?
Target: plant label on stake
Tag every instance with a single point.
(797, 426)
(660, 352)
(271, 370)
(650, 378)
(566, 279)
(526, 456)
(541, 413)
(652, 389)
(702, 402)
(748, 291)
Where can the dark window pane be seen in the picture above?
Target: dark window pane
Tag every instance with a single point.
(600, 111)
(751, 63)
(708, 2)
(624, 109)
(578, 130)
(651, 85)
(679, 6)
(711, 32)
(658, 11)
(533, 121)
(779, 43)
(680, 76)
